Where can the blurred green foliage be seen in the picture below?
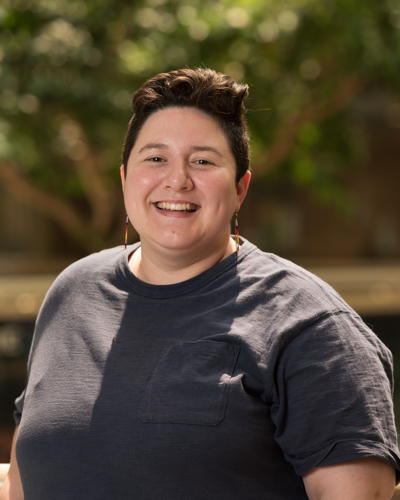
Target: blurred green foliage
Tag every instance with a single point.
(68, 69)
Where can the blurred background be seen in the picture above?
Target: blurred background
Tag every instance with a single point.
(324, 116)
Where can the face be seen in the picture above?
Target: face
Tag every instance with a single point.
(180, 191)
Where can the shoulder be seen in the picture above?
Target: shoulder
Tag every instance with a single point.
(318, 319)
(291, 285)
(90, 267)
(303, 312)
(83, 278)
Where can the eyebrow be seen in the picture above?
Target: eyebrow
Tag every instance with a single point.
(159, 145)
(152, 145)
(206, 148)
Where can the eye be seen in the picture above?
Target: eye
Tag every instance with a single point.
(203, 162)
(155, 159)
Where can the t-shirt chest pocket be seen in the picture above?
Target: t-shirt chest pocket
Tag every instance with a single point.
(190, 384)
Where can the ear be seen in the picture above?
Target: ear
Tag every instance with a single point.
(122, 174)
(242, 187)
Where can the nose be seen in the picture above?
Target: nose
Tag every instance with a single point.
(178, 177)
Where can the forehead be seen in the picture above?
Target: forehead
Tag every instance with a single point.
(182, 124)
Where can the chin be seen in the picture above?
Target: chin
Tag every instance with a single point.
(179, 245)
(175, 242)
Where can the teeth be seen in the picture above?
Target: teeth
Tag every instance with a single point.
(165, 205)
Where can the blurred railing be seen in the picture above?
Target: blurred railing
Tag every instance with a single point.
(368, 288)
(371, 289)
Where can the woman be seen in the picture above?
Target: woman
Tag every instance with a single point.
(192, 365)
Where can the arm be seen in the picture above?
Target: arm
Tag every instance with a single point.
(364, 479)
(12, 488)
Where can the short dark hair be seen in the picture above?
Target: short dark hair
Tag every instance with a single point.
(203, 88)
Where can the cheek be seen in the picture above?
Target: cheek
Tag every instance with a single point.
(137, 186)
(222, 192)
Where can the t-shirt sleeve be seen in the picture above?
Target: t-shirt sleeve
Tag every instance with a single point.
(333, 395)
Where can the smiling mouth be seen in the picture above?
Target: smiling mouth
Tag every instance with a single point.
(176, 207)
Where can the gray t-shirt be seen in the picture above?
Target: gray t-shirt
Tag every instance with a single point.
(230, 385)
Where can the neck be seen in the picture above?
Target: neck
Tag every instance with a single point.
(167, 269)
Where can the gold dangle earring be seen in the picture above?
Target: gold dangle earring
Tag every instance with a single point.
(126, 232)
(236, 230)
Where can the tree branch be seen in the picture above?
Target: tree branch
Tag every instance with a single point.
(86, 167)
(287, 133)
(19, 186)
